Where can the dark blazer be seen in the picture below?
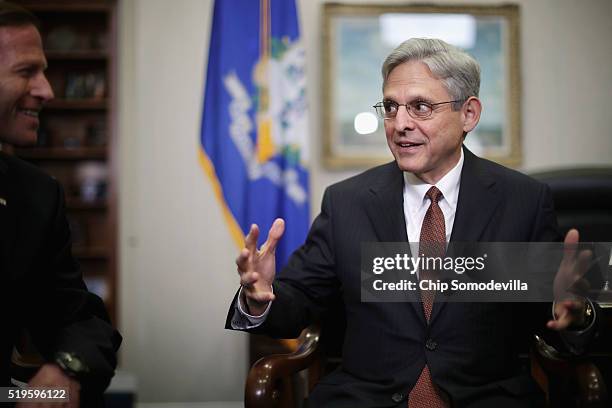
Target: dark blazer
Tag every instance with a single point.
(42, 288)
(471, 348)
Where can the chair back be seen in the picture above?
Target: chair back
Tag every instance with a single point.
(583, 200)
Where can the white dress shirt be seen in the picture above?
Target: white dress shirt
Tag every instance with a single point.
(416, 203)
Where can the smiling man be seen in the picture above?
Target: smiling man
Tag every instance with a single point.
(436, 191)
(43, 293)
(24, 86)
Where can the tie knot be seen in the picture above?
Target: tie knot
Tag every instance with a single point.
(434, 194)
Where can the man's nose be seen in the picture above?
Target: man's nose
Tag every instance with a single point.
(41, 88)
(403, 120)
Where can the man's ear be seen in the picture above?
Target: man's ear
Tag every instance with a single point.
(470, 113)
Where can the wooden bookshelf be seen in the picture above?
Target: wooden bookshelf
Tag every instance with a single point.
(40, 7)
(79, 204)
(90, 253)
(76, 55)
(62, 153)
(77, 104)
(77, 138)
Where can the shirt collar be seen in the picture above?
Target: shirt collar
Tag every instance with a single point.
(415, 188)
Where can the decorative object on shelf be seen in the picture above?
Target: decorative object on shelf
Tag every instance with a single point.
(92, 179)
(91, 85)
(62, 38)
(98, 41)
(72, 143)
(95, 134)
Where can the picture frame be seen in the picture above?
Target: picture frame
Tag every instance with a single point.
(358, 37)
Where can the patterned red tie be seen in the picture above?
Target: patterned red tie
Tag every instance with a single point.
(432, 244)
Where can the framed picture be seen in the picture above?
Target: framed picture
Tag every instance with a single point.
(357, 39)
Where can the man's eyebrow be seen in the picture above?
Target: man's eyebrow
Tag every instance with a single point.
(30, 64)
(420, 98)
(414, 98)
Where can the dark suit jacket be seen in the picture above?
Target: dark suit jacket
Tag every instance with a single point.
(42, 288)
(471, 348)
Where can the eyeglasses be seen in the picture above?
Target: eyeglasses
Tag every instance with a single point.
(417, 109)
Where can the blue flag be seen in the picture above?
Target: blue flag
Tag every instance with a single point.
(254, 124)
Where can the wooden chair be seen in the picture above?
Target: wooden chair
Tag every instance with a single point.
(270, 382)
(583, 199)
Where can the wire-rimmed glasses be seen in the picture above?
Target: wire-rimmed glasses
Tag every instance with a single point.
(417, 109)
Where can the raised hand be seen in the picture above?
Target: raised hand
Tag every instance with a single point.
(569, 310)
(258, 267)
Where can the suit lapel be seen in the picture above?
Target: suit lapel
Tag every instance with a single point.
(477, 202)
(385, 206)
(478, 199)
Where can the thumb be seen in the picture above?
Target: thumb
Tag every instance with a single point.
(274, 235)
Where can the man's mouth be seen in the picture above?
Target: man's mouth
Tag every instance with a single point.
(29, 112)
(409, 144)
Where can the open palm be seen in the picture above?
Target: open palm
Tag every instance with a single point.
(257, 268)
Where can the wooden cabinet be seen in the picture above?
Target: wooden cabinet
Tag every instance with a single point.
(77, 138)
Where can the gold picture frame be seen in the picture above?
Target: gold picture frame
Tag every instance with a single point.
(357, 38)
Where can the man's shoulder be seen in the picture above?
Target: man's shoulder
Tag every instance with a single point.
(507, 177)
(368, 178)
(26, 176)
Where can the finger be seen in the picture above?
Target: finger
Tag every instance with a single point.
(262, 297)
(583, 263)
(250, 241)
(557, 325)
(572, 237)
(274, 235)
(565, 314)
(581, 287)
(248, 279)
(574, 284)
(561, 322)
(569, 305)
(242, 260)
(569, 244)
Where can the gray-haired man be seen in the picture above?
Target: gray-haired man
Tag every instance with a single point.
(436, 190)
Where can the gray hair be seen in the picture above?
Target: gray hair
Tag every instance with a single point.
(458, 71)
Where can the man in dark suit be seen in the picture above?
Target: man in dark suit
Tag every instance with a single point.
(417, 354)
(43, 292)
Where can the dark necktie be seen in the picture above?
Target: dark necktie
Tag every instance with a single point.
(432, 244)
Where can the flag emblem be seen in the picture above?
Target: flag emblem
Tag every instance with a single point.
(254, 131)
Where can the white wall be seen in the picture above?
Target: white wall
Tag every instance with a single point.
(177, 274)
(176, 256)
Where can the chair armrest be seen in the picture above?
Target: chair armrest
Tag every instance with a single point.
(567, 377)
(268, 383)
